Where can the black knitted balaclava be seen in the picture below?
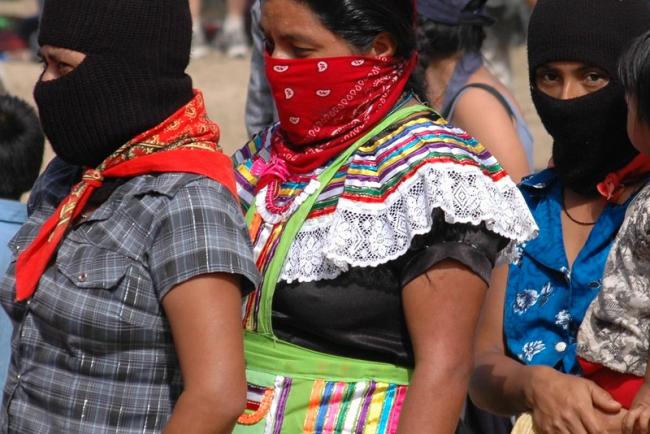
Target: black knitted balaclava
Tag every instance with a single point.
(132, 79)
(589, 132)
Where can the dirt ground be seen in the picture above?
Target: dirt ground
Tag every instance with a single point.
(18, 8)
(224, 83)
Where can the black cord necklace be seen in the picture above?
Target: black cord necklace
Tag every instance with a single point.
(578, 222)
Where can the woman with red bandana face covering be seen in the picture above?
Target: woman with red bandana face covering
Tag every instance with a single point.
(376, 226)
(126, 289)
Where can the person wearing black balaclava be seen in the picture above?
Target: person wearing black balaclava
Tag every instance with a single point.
(526, 351)
(125, 292)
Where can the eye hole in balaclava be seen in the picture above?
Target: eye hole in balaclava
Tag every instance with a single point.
(589, 132)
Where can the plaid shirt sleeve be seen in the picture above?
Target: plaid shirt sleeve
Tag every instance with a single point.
(201, 231)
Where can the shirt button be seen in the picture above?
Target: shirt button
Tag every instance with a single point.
(29, 302)
(18, 377)
(560, 347)
(567, 273)
(82, 277)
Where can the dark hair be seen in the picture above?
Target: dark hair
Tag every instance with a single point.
(359, 22)
(436, 41)
(21, 147)
(634, 72)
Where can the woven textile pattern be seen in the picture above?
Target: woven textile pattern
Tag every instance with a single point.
(382, 198)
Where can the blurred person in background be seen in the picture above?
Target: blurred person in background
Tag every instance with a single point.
(126, 290)
(376, 225)
(21, 156)
(508, 32)
(526, 345)
(260, 107)
(462, 89)
(200, 48)
(233, 38)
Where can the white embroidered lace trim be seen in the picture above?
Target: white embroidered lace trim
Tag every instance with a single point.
(359, 234)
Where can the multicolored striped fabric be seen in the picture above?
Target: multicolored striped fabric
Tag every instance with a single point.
(362, 408)
(380, 199)
(329, 407)
(377, 168)
(292, 390)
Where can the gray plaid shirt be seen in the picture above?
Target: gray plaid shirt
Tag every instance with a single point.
(92, 351)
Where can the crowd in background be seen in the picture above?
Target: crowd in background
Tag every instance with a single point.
(398, 262)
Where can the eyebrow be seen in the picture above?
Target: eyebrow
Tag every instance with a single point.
(588, 67)
(545, 68)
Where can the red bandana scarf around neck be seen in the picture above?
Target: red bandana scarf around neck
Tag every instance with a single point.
(614, 184)
(326, 104)
(185, 142)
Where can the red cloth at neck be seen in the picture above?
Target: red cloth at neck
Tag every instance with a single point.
(614, 184)
(186, 142)
(326, 104)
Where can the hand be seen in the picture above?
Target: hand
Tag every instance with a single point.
(637, 420)
(563, 403)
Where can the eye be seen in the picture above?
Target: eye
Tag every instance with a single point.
(64, 68)
(595, 78)
(547, 75)
(301, 52)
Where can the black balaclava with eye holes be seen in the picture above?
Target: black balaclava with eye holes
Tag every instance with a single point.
(132, 79)
(589, 132)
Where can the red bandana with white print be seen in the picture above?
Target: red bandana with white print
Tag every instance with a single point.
(326, 104)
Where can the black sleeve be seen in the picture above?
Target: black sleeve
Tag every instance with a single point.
(473, 246)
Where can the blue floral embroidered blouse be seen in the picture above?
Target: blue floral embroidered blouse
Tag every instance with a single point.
(546, 300)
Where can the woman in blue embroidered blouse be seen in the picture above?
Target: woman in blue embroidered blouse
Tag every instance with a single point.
(527, 339)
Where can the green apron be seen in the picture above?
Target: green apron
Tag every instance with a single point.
(296, 390)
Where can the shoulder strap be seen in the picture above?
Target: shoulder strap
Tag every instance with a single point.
(295, 222)
(486, 87)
